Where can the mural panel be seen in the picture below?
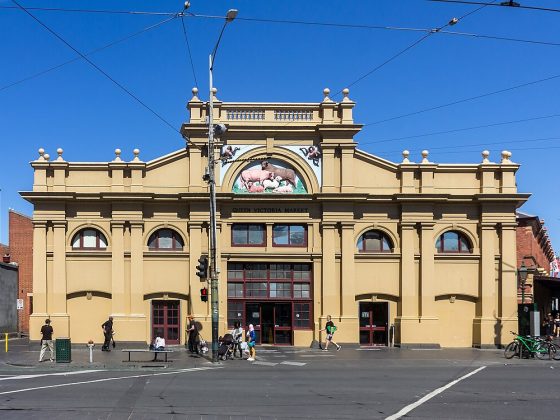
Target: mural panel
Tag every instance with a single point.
(269, 177)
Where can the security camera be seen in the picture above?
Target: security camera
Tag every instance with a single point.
(219, 129)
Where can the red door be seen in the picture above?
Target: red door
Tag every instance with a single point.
(374, 323)
(165, 320)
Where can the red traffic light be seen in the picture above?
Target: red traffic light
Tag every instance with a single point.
(204, 294)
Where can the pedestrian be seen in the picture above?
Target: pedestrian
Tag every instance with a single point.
(251, 341)
(192, 330)
(237, 334)
(330, 328)
(159, 344)
(557, 324)
(46, 340)
(107, 328)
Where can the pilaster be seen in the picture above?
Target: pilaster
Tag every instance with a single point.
(507, 313)
(331, 289)
(349, 311)
(59, 311)
(328, 168)
(118, 288)
(347, 162)
(40, 310)
(136, 268)
(485, 321)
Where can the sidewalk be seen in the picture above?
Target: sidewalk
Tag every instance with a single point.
(25, 355)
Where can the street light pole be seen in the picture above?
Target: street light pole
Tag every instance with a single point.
(214, 301)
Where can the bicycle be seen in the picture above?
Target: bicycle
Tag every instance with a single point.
(554, 349)
(529, 346)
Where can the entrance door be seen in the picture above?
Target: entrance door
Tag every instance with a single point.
(165, 320)
(272, 322)
(374, 318)
(283, 323)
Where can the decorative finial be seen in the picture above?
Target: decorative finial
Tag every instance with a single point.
(214, 92)
(47, 156)
(60, 151)
(345, 92)
(505, 156)
(425, 154)
(195, 95)
(485, 154)
(136, 152)
(405, 155)
(326, 92)
(41, 154)
(117, 155)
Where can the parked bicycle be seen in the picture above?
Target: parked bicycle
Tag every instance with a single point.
(527, 346)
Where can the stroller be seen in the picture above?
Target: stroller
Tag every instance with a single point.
(225, 347)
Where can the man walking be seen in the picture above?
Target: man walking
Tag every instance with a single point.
(330, 328)
(46, 340)
(107, 328)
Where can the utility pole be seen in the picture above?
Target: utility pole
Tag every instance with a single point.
(220, 129)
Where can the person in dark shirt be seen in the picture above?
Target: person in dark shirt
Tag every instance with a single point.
(107, 327)
(330, 329)
(46, 340)
(192, 330)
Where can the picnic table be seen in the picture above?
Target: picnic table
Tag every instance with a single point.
(155, 352)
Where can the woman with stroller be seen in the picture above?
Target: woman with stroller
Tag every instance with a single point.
(251, 340)
(237, 334)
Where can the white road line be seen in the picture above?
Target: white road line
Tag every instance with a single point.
(78, 372)
(368, 349)
(110, 379)
(431, 395)
(285, 362)
(317, 355)
(264, 363)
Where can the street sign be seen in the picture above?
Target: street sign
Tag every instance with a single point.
(20, 304)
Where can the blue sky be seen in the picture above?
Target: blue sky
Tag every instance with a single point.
(78, 109)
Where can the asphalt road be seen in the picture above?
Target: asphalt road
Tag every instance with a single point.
(292, 383)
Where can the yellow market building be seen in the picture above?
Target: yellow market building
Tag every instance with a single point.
(308, 226)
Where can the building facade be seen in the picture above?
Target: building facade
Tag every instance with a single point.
(308, 226)
(541, 289)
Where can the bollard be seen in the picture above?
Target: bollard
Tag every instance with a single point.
(90, 344)
(6, 338)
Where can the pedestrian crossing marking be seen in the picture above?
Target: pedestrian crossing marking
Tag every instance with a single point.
(286, 362)
(265, 363)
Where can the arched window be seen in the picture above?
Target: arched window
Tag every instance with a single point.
(89, 239)
(374, 241)
(165, 239)
(453, 242)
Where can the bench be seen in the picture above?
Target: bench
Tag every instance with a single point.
(155, 352)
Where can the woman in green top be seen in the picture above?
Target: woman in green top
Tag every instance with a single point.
(330, 328)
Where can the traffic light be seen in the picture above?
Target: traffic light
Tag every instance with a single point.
(204, 294)
(202, 268)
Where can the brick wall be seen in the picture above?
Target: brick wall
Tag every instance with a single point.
(21, 252)
(528, 244)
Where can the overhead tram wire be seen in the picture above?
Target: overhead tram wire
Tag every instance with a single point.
(189, 49)
(511, 6)
(103, 72)
(114, 12)
(457, 130)
(460, 101)
(411, 46)
(118, 41)
(301, 22)
(459, 146)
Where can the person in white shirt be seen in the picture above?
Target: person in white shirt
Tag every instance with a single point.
(159, 345)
